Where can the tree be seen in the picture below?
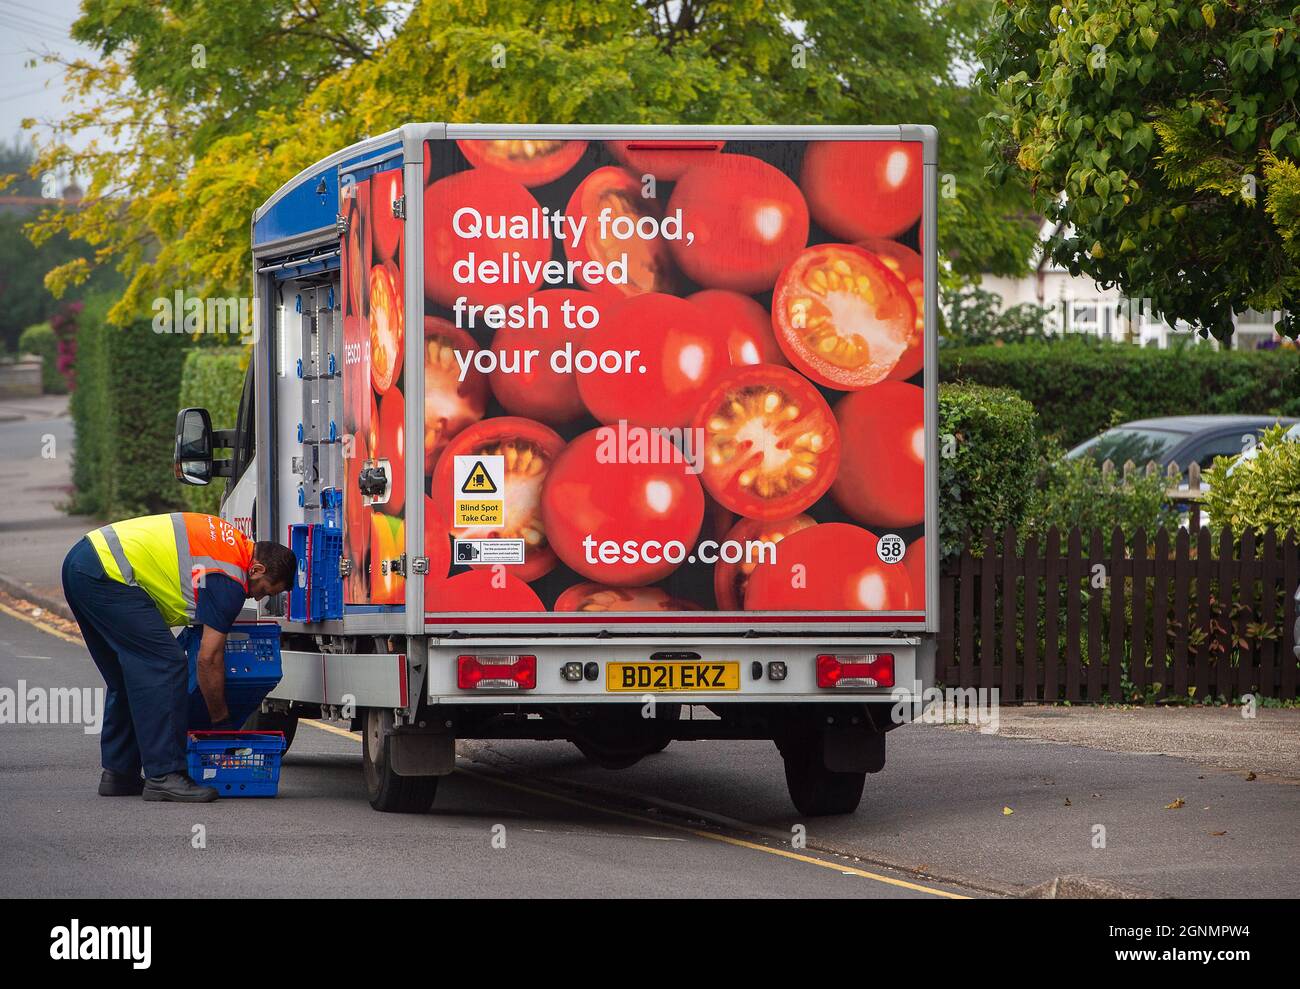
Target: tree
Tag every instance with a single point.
(218, 104)
(1162, 135)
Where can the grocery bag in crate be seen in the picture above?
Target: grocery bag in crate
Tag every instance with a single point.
(252, 667)
(236, 763)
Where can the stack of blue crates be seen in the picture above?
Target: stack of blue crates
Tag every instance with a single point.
(252, 667)
(317, 591)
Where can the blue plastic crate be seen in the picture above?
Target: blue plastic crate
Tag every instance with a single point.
(237, 763)
(252, 665)
(317, 591)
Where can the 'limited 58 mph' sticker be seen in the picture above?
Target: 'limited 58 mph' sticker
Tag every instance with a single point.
(891, 547)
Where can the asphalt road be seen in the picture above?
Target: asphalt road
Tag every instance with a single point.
(700, 819)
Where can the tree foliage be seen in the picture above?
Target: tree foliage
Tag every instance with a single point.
(1162, 134)
(207, 107)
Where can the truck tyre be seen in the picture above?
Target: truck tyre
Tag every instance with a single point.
(814, 789)
(281, 721)
(386, 790)
(665, 712)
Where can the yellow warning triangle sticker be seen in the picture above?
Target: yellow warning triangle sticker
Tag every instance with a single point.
(479, 481)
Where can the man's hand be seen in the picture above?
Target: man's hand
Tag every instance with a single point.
(212, 674)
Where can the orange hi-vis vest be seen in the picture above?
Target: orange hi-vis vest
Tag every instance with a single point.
(170, 556)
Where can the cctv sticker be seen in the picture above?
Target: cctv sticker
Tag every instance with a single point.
(479, 490)
(891, 548)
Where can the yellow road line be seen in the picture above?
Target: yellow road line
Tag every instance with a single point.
(37, 623)
(708, 835)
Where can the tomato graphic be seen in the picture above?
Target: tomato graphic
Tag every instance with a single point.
(493, 198)
(910, 269)
(748, 218)
(529, 162)
(387, 543)
(771, 445)
(590, 495)
(680, 355)
(602, 597)
(861, 189)
(449, 403)
(356, 257)
(387, 327)
(385, 189)
(731, 579)
(747, 326)
(437, 548)
(356, 525)
(829, 567)
(542, 393)
(649, 262)
(667, 161)
(882, 467)
(914, 564)
(842, 317)
(494, 590)
(530, 450)
(392, 447)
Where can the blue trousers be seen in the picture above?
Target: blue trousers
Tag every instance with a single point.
(144, 668)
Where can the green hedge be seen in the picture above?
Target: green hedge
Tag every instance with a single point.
(1080, 389)
(40, 340)
(124, 414)
(212, 379)
(988, 459)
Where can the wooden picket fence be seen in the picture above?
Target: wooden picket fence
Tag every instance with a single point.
(1082, 617)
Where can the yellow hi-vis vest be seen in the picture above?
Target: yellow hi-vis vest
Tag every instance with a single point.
(169, 556)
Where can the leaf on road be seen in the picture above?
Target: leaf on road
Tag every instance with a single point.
(1251, 777)
(1067, 802)
(1176, 804)
(1217, 834)
(1007, 811)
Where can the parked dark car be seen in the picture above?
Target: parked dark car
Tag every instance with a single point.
(1181, 440)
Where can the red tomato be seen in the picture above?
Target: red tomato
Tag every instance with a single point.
(437, 548)
(387, 543)
(385, 189)
(392, 447)
(493, 198)
(356, 525)
(542, 393)
(649, 262)
(829, 567)
(667, 161)
(861, 189)
(372, 425)
(731, 579)
(771, 445)
(680, 356)
(842, 317)
(910, 269)
(914, 564)
(530, 450)
(748, 219)
(530, 162)
(601, 597)
(495, 590)
(449, 403)
(356, 257)
(592, 495)
(387, 327)
(882, 466)
(747, 326)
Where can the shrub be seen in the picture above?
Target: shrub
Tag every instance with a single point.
(988, 456)
(1080, 389)
(1076, 492)
(1259, 492)
(973, 315)
(212, 378)
(40, 340)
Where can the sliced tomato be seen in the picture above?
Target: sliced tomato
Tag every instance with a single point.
(602, 597)
(495, 590)
(356, 257)
(730, 579)
(667, 161)
(881, 479)
(541, 392)
(529, 162)
(745, 323)
(449, 403)
(914, 563)
(861, 189)
(649, 262)
(771, 445)
(529, 449)
(833, 566)
(910, 269)
(842, 317)
(387, 326)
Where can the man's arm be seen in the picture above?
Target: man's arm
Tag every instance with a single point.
(212, 674)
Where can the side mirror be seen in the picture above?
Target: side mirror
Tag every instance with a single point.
(192, 462)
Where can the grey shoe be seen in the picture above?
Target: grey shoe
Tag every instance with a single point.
(113, 784)
(177, 787)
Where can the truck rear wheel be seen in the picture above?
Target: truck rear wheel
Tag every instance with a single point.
(386, 790)
(814, 789)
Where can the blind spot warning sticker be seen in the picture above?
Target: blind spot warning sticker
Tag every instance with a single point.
(479, 485)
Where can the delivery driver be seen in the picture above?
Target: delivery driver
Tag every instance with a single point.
(126, 584)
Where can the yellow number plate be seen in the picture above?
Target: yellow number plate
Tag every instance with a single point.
(650, 678)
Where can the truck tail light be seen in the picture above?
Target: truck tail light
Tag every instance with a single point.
(875, 669)
(496, 672)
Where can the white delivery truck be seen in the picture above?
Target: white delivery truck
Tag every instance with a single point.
(618, 435)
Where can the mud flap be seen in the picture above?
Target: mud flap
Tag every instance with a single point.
(422, 753)
(853, 749)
